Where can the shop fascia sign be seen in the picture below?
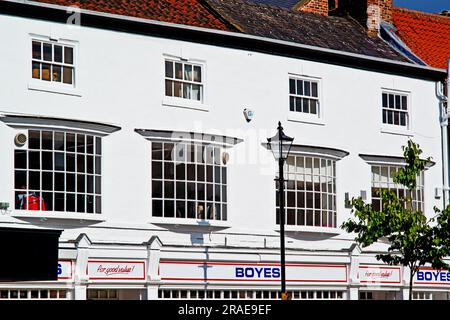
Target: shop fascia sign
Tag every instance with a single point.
(428, 276)
(108, 270)
(376, 274)
(215, 271)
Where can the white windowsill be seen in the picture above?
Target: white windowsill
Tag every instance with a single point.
(53, 88)
(184, 103)
(47, 215)
(396, 130)
(310, 229)
(304, 118)
(175, 222)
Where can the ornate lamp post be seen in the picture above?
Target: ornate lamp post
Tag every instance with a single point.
(280, 145)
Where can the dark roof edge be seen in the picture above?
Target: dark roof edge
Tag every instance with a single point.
(56, 13)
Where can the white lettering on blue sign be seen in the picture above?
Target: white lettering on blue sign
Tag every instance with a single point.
(255, 272)
(433, 276)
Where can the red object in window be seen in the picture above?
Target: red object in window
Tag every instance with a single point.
(32, 203)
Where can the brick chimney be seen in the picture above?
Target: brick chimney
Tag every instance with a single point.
(369, 13)
(314, 6)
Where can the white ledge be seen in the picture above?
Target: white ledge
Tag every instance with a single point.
(310, 229)
(54, 88)
(48, 215)
(184, 222)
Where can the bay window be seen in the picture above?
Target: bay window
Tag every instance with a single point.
(383, 178)
(310, 191)
(58, 171)
(189, 180)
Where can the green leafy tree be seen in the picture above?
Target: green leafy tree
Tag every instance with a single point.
(414, 241)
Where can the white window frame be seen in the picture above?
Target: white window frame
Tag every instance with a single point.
(53, 86)
(297, 116)
(396, 187)
(331, 207)
(393, 128)
(44, 214)
(171, 101)
(223, 202)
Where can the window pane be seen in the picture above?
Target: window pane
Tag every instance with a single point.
(197, 74)
(81, 203)
(20, 179)
(305, 105)
(68, 55)
(59, 141)
(307, 87)
(90, 204)
(98, 204)
(177, 89)
(70, 162)
(90, 164)
(47, 198)
(90, 144)
(56, 73)
(404, 103)
(397, 102)
(178, 70)
(314, 89)
(34, 180)
(81, 163)
(70, 142)
(34, 158)
(169, 69)
(57, 53)
(188, 72)
(36, 70)
(36, 50)
(47, 52)
(47, 160)
(98, 165)
(313, 106)
(47, 140)
(169, 208)
(59, 202)
(299, 87)
(68, 75)
(98, 185)
(46, 72)
(187, 88)
(169, 88)
(59, 181)
(291, 103)
(90, 184)
(196, 92)
(70, 182)
(20, 159)
(59, 161)
(98, 145)
(385, 100)
(292, 86)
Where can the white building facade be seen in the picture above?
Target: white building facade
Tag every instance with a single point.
(136, 146)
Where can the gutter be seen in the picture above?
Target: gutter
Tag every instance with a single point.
(57, 13)
(444, 116)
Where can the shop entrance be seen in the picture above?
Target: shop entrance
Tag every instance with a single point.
(379, 295)
(116, 294)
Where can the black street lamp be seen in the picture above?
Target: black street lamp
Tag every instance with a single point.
(280, 145)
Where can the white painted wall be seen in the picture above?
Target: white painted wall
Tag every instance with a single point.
(120, 79)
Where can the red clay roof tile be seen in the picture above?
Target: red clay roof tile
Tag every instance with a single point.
(426, 34)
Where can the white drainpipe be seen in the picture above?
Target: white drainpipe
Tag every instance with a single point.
(444, 127)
